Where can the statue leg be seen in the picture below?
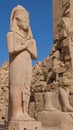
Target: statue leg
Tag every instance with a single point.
(25, 102)
(26, 87)
(25, 98)
(65, 101)
(48, 102)
(15, 101)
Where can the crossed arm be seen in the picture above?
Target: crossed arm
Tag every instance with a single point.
(29, 45)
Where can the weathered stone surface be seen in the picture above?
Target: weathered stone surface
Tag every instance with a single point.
(56, 120)
(25, 124)
(4, 91)
(61, 8)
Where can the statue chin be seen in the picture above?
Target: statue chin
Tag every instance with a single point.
(26, 28)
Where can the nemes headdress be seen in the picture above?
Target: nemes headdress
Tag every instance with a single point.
(16, 10)
(19, 9)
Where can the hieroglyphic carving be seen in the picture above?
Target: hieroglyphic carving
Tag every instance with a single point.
(66, 8)
(65, 29)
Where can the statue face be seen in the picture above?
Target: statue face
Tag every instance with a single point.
(22, 18)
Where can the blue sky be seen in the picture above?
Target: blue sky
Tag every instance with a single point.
(40, 20)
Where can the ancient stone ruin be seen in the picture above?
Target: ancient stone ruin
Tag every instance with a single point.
(51, 100)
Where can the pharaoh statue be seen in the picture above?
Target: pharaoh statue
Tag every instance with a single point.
(21, 48)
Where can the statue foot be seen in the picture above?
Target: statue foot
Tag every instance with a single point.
(22, 116)
(25, 116)
(68, 108)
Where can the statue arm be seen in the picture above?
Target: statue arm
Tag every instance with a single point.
(15, 43)
(32, 49)
(20, 48)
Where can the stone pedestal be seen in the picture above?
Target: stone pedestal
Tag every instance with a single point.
(56, 120)
(25, 125)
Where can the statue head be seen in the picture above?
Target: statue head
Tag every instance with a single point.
(21, 14)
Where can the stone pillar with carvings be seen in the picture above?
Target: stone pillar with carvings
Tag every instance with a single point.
(63, 33)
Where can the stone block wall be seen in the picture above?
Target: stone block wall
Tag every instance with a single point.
(4, 91)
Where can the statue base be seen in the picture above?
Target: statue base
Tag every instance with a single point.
(56, 120)
(24, 125)
(24, 122)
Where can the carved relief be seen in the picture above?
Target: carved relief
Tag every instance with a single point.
(66, 8)
(63, 27)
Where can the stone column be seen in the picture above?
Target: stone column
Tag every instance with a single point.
(63, 35)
